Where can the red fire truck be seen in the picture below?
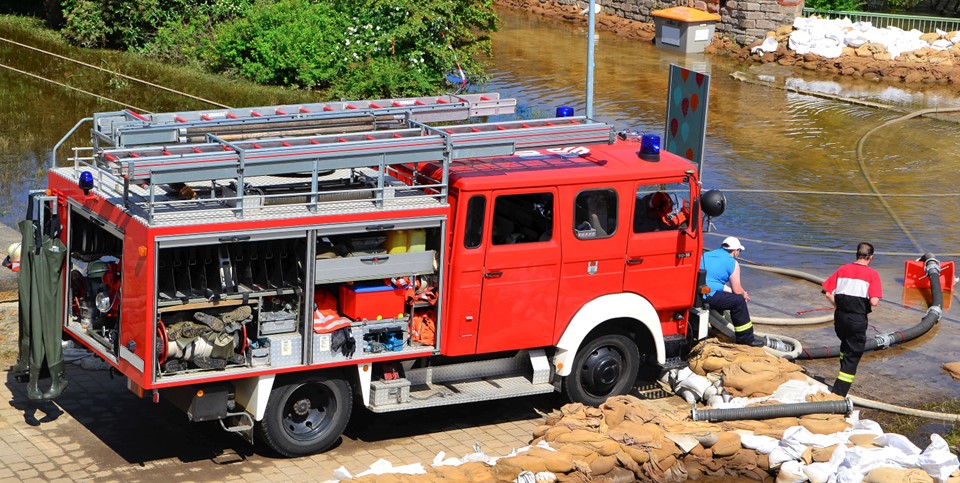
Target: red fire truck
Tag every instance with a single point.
(267, 266)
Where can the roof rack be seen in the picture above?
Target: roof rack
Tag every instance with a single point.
(128, 128)
(350, 166)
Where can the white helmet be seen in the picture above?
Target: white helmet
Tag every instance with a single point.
(13, 251)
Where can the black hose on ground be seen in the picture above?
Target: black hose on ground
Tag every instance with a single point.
(772, 411)
(883, 341)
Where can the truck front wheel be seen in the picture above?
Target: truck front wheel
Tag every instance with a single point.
(306, 416)
(604, 367)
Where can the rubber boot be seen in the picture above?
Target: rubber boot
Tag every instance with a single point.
(19, 368)
(33, 387)
(59, 383)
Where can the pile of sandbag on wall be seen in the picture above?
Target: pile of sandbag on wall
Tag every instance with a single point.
(624, 440)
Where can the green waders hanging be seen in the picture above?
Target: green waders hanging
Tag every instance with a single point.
(27, 245)
(46, 331)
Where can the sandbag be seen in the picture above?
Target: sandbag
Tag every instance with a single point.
(897, 475)
(822, 455)
(824, 423)
(727, 444)
(953, 368)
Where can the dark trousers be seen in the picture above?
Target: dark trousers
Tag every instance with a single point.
(852, 330)
(737, 305)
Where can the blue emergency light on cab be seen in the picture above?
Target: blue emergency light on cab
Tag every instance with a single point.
(649, 147)
(564, 111)
(85, 182)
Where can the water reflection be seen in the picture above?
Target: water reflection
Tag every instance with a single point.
(760, 138)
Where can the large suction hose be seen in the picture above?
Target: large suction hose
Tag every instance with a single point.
(882, 341)
(772, 411)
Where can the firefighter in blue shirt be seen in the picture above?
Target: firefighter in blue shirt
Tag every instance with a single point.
(722, 269)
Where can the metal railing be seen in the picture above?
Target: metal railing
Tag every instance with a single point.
(882, 20)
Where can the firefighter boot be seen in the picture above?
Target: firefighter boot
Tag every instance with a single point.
(33, 387)
(209, 320)
(59, 383)
(239, 314)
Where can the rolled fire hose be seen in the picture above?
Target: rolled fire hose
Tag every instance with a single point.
(772, 411)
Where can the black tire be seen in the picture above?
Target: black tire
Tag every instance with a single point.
(306, 416)
(605, 366)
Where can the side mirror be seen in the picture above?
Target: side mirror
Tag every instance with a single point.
(713, 203)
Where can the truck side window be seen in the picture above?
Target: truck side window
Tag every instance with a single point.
(595, 214)
(522, 218)
(473, 231)
(662, 207)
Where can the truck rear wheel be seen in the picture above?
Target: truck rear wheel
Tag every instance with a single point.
(604, 367)
(306, 416)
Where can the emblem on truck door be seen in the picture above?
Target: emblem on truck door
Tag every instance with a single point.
(592, 267)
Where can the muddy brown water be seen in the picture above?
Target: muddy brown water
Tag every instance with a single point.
(783, 159)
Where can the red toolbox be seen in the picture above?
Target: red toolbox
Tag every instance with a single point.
(371, 302)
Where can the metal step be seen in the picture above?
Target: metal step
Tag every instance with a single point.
(525, 374)
(487, 389)
(674, 363)
(652, 391)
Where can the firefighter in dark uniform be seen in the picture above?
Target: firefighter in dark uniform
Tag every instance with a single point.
(854, 289)
(722, 269)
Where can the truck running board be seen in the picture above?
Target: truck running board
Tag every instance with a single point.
(527, 373)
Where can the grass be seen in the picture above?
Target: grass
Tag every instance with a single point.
(919, 429)
(222, 89)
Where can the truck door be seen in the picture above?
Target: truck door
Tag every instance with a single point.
(594, 241)
(661, 262)
(466, 274)
(521, 272)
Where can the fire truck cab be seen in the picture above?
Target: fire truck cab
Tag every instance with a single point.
(264, 267)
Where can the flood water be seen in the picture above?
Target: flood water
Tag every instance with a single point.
(797, 196)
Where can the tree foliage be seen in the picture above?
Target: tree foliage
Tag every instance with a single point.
(836, 5)
(350, 48)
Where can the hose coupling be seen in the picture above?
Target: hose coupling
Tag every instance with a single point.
(930, 264)
(885, 340)
(936, 309)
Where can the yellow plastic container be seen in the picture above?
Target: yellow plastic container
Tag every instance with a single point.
(417, 241)
(396, 241)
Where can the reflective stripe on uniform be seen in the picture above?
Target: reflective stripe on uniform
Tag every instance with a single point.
(843, 376)
(741, 328)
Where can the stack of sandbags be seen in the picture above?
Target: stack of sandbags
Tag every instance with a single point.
(746, 371)
(623, 440)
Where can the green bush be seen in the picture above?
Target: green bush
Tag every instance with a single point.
(836, 5)
(291, 42)
(350, 48)
(355, 49)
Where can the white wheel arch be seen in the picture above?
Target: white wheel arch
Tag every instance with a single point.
(599, 310)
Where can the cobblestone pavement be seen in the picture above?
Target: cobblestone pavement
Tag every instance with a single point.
(99, 431)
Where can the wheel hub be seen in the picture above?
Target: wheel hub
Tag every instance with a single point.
(302, 407)
(602, 370)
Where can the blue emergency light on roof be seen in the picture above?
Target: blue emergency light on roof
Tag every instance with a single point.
(649, 147)
(564, 111)
(85, 182)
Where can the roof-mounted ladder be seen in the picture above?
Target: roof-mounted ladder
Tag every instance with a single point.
(127, 128)
(220, 159)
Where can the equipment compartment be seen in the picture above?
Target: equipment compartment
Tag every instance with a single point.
(94, 281)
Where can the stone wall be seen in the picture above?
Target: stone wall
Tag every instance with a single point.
(743, 21)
